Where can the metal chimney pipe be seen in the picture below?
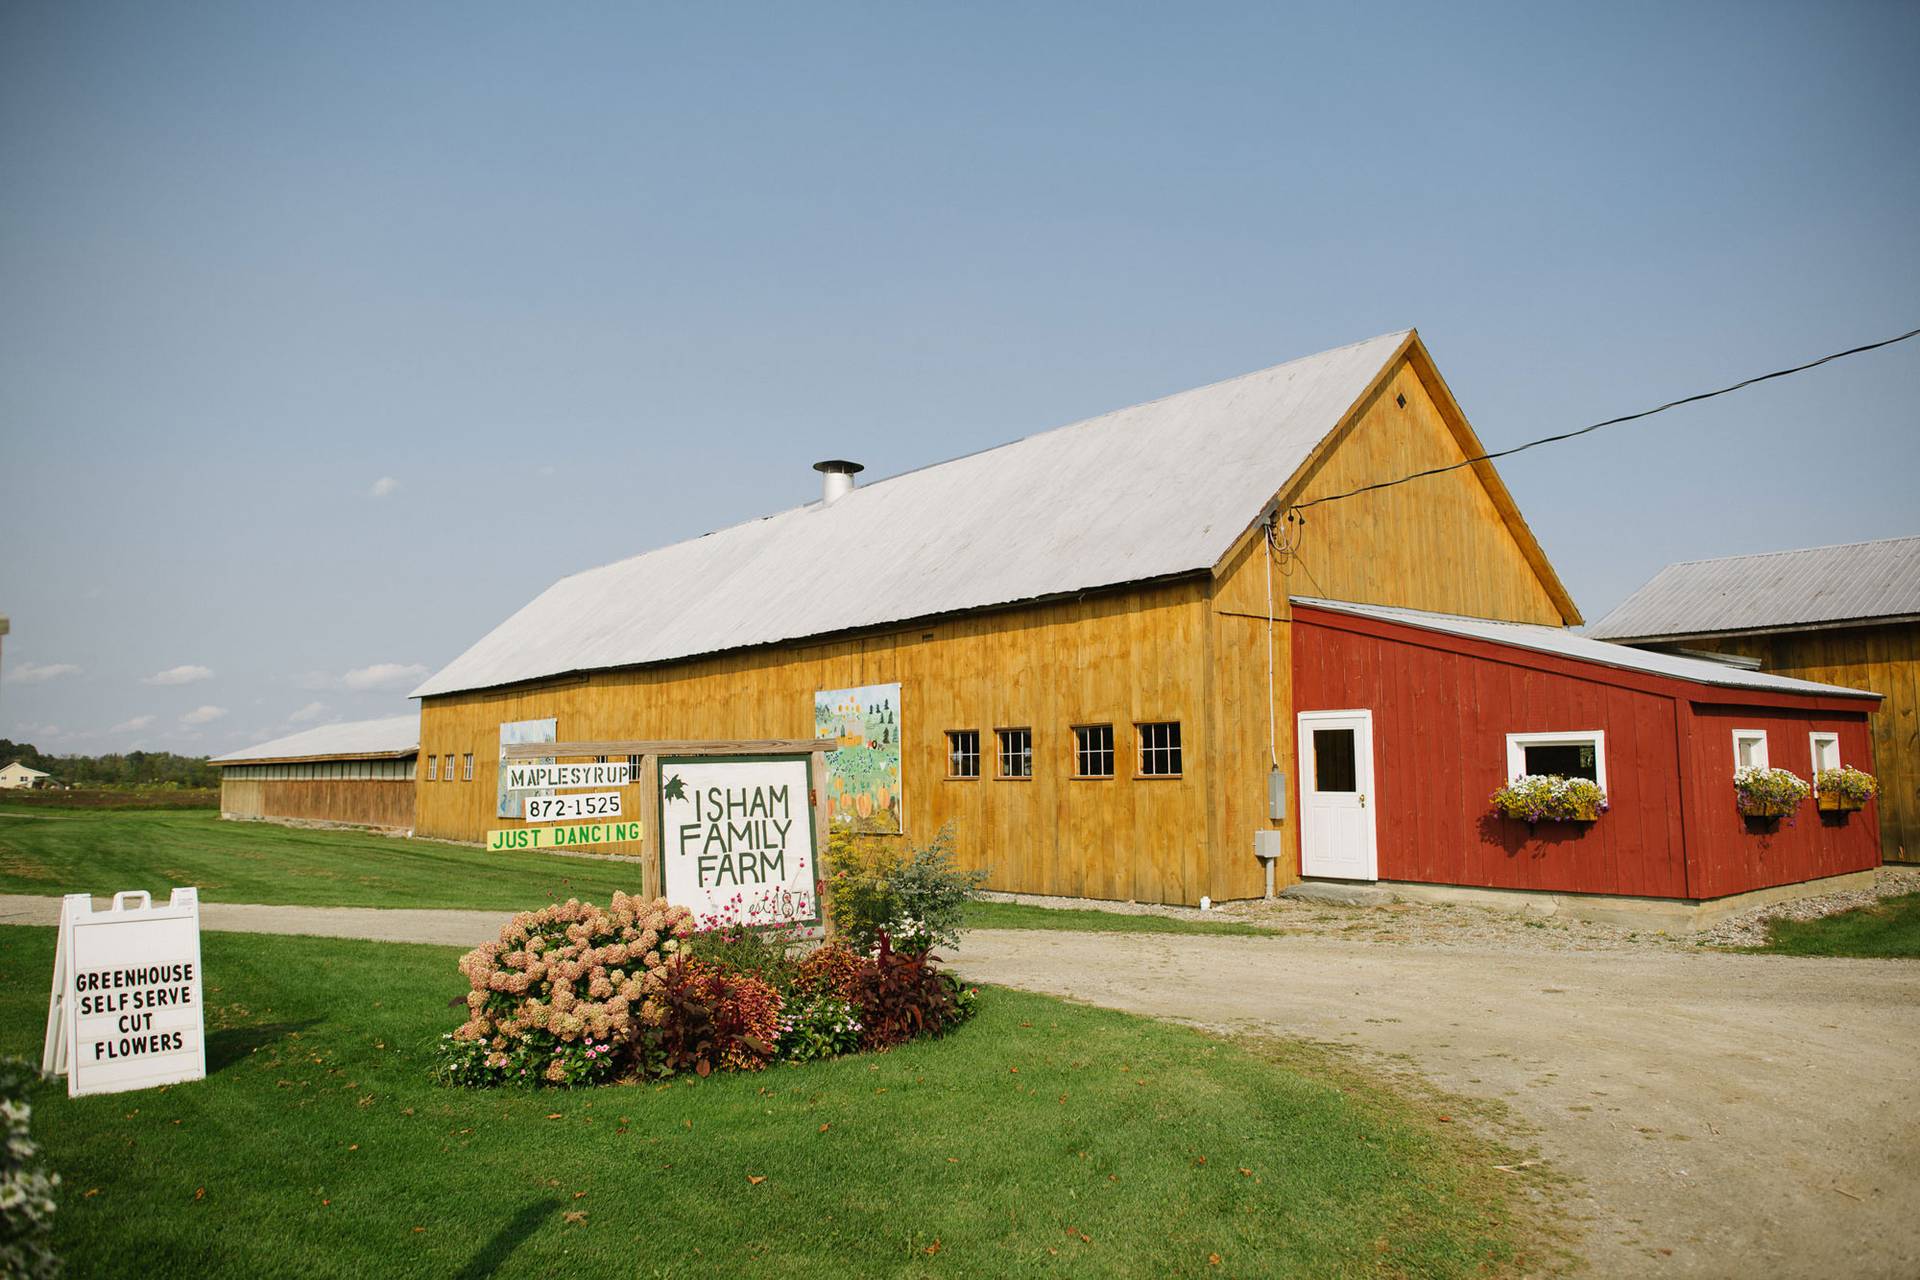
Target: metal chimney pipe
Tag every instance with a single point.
(836, 477)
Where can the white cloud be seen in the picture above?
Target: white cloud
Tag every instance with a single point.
(312, 711)
(203, 715)
(186, 673)
(383, 487)
(41, 672)
(384, 675)
(133, 725)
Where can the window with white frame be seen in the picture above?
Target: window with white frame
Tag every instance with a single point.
(1093, 751)
(448, 766)
(433, 768)
(466, 767)
(1576, 753)
(1825, 753)
(963, 753)
(1160, 754)
(1749, 748)
(1016, 753)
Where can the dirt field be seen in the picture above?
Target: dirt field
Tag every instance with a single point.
(1720, 1115)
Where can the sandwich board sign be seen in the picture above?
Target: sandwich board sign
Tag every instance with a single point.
(126, 1009)
(737, 838)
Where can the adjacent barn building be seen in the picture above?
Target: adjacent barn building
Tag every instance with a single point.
(1409, 721)
(358, 774)
(1080, 649)
(1846, 615)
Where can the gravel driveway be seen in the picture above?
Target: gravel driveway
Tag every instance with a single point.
(1723, 1115)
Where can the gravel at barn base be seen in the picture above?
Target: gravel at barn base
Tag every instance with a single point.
(1483, 929)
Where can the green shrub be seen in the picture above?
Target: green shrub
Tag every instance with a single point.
(26, 1188)
(818, 1027)
(917, 898)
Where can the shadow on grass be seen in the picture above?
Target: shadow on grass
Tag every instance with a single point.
(224, 1048)
(512, 1234)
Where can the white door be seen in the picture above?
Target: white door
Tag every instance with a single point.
(1336, 802)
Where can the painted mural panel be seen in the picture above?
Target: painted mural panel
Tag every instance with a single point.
(513, 803)
(863, 770)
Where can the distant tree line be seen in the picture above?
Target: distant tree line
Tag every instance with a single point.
(133, 769)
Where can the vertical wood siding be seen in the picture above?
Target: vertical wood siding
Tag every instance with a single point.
(358, 802)
(1731, 855)
(1441, 543)
(1442, 707)
(1885, 660)
(1122, 658)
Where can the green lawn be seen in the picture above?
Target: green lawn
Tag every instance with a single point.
(1040, 1139)
(1888, 929)
(1020, 915)
(103, 852)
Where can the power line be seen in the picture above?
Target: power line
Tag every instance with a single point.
(1610, 422)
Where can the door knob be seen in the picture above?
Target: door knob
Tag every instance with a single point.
(1363, 799)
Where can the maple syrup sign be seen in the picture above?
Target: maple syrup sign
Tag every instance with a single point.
(737, 838)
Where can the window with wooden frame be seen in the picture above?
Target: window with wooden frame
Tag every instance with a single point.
(1579, 753)
(433, 768)
(466, 767)
(1749, 748)
(1824, 749)
(1160, 749)
(1093, 751)
(963, 753)
(1016, 753)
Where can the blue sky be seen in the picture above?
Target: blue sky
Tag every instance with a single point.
(330, 334)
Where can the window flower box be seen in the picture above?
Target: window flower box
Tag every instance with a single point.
(1768, 794)
(1844, 790)
(1550, 798)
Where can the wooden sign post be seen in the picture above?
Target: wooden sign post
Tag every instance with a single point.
(644, 808)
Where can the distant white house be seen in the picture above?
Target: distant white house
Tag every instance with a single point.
(17, 777)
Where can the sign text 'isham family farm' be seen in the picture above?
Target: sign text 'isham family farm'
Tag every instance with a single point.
(737, 837)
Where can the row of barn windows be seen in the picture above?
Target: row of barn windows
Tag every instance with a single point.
(1157, 751)
(1583, 754)
(324, 770)
(438, 772)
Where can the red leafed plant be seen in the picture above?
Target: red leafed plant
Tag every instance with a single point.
(717, 1018)
(901, 995)
(832, 970)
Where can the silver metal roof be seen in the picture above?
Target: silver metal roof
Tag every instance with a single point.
(1781, 590)
(1566, 644)
(1157, 490)
(395, 735)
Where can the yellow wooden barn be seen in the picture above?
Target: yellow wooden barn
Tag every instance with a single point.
(1089, 627)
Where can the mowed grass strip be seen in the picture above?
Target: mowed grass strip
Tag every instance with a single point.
(1889, 929)
(105, 852)
(1040, 1139)
(1023, 915)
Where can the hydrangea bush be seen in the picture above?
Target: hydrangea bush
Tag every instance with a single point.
(1545, 797)
(1845, 787)
(1768, 793)
(26, 1187)
(576, 995)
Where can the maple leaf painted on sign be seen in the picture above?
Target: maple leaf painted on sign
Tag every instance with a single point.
(675, 789)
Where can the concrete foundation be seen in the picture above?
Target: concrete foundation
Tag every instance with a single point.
(1670, 915)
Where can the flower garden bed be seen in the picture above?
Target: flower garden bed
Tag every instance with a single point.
(574, 994)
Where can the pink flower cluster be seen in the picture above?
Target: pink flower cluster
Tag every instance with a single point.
(582, 975)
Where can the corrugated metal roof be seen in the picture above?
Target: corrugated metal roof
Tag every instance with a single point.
(1819, 586)
(1157, 490)
(1567, 644)
(392, 736)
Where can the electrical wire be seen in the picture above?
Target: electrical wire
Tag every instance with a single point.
(1610, 422)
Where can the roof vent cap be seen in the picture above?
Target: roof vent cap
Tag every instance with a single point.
(836, 477)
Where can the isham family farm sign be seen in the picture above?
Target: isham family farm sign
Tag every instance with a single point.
(737, 838)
